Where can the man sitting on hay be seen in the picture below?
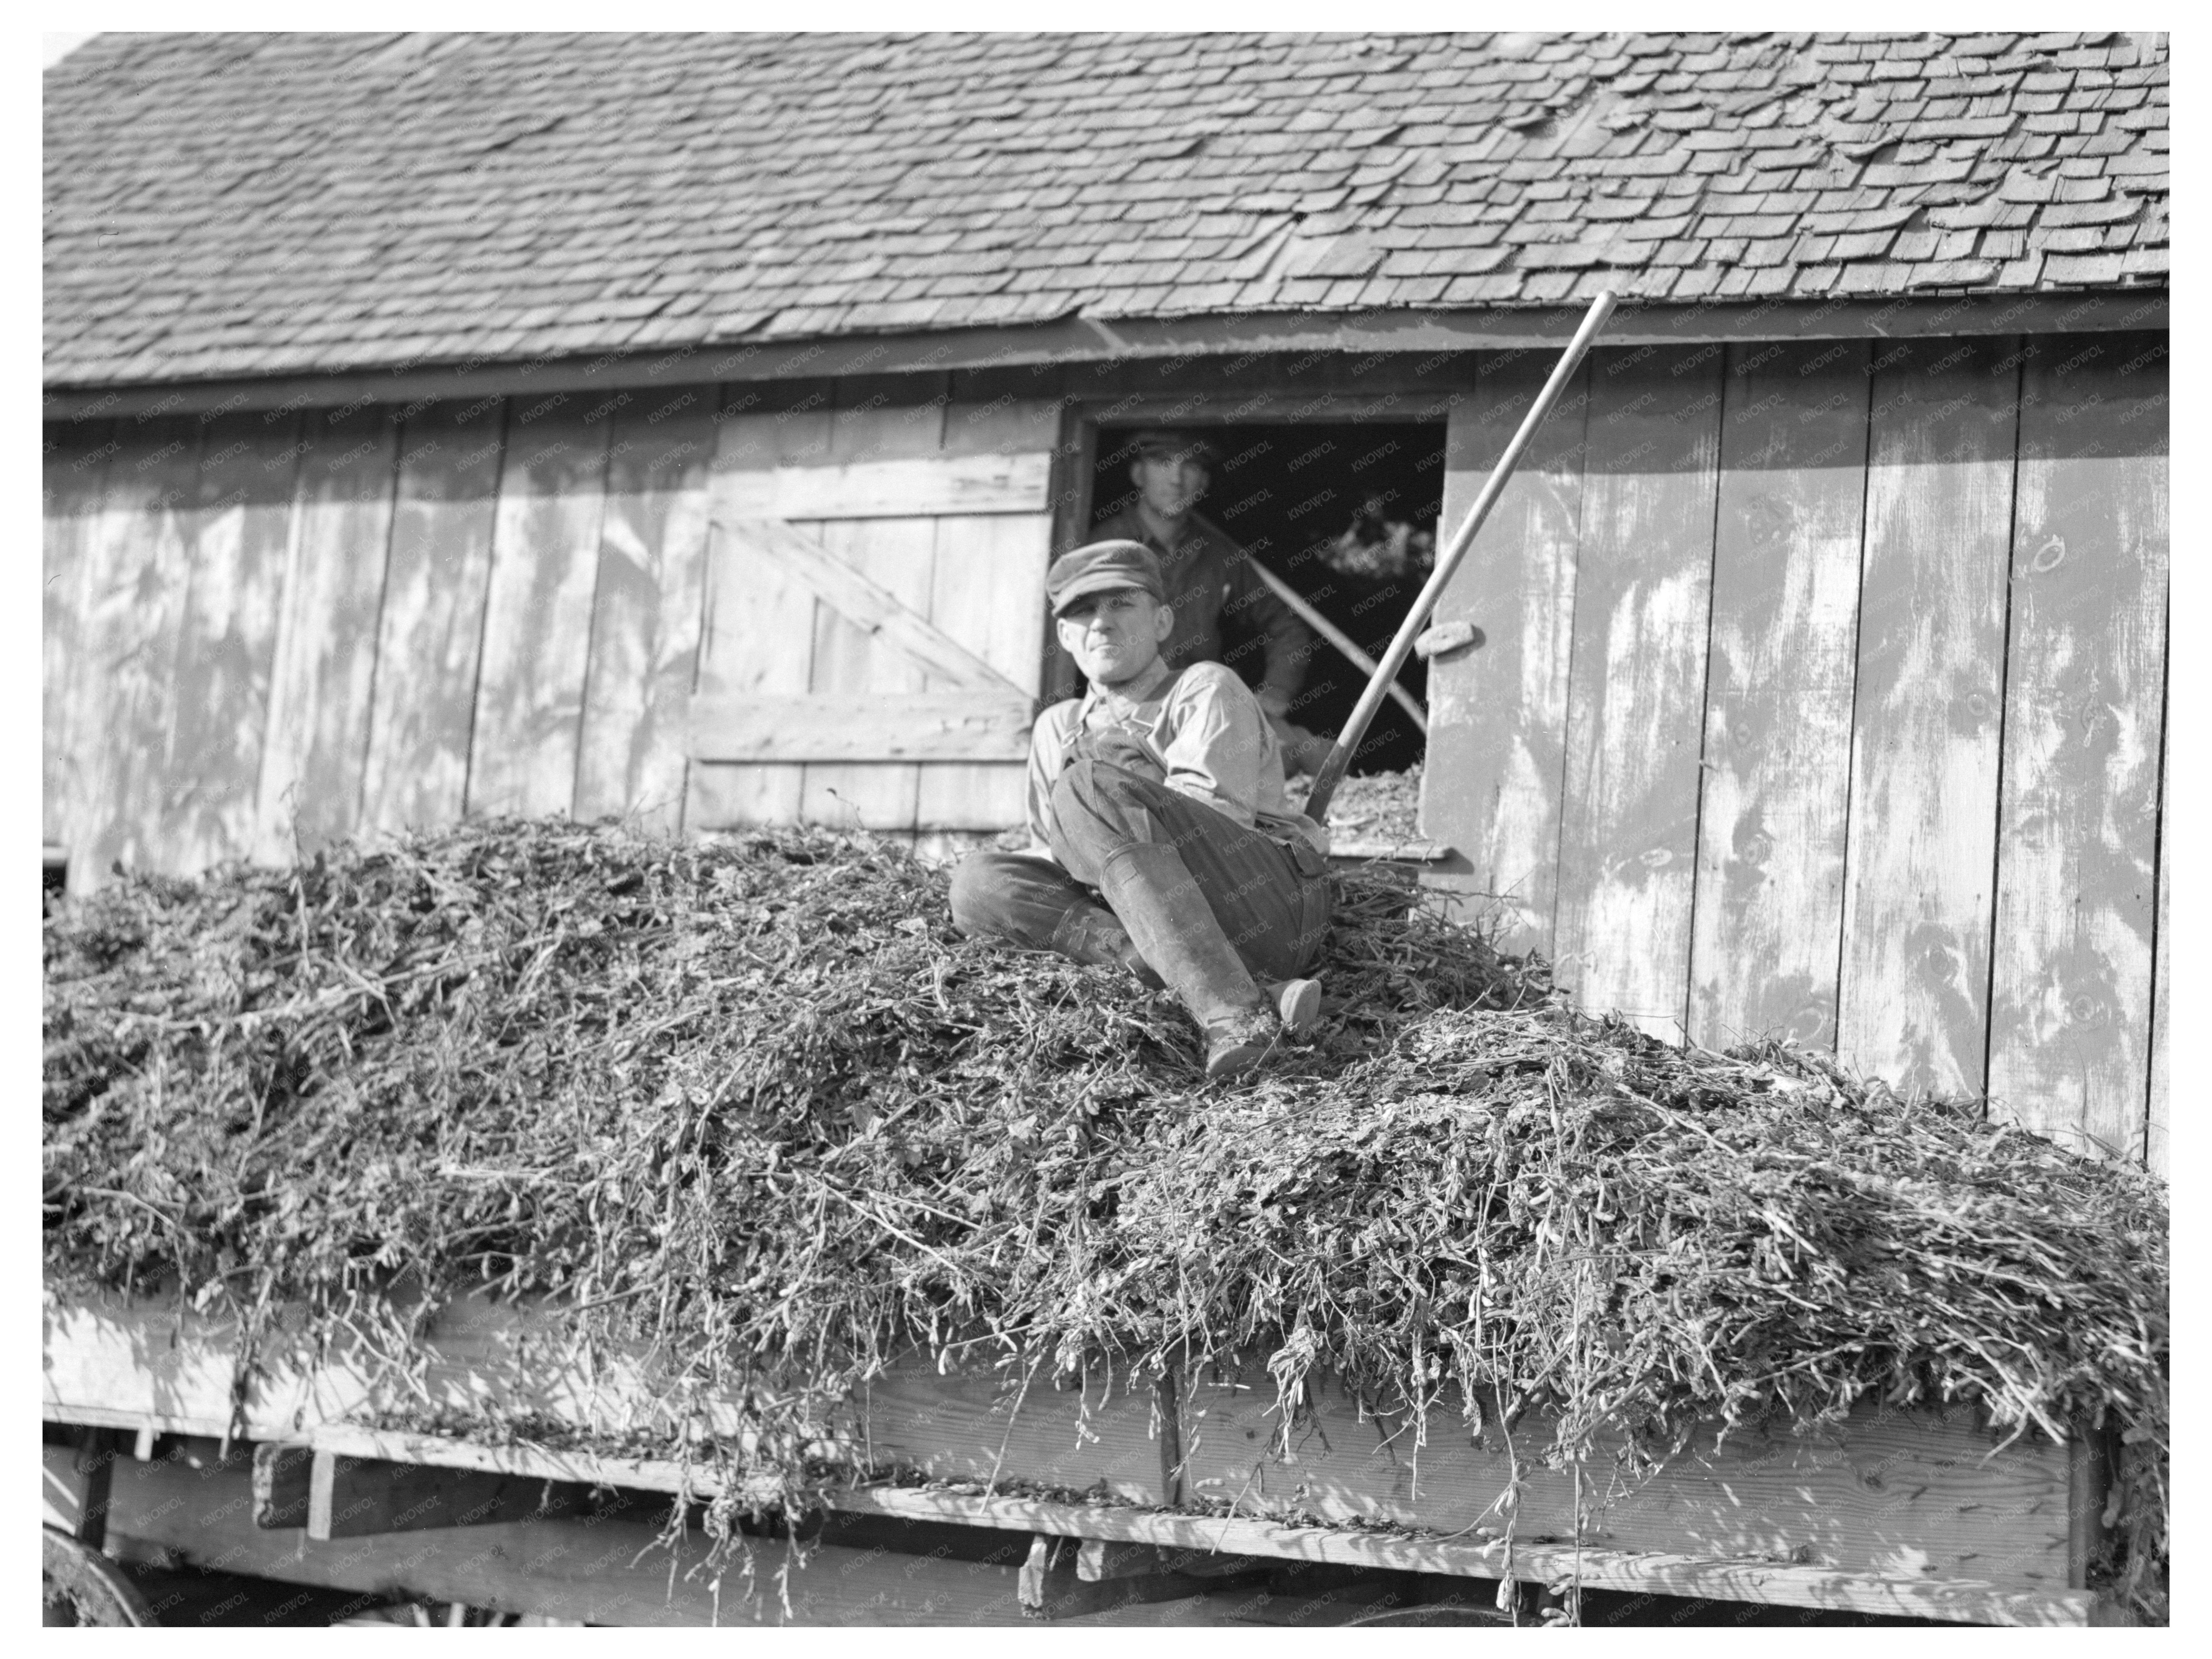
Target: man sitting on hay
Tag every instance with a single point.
(1160, 792)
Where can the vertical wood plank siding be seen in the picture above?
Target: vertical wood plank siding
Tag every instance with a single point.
(2077, 826)
(1913, 1002)
(2156, 1152)
(141, 576)
(757, 637)
(434, 617)
(1777, 744)
(1635, 700)
(1821, 692)
(226, 648)
(987, 592)
(644, 618)
(1498, 715)
(538, 613)
(324, 677)
(899, 555)
(75, 474)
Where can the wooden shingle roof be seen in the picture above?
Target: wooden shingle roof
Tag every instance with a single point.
(221, 206)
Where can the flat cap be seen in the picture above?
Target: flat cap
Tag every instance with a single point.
(1166, 443)
(1103, 567)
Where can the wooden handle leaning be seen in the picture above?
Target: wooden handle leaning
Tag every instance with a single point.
(1386, 673)
(1337, 637)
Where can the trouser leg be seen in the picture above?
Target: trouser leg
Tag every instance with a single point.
(1208, 902)
(1030, 902)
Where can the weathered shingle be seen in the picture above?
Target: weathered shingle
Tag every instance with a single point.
(234, 206)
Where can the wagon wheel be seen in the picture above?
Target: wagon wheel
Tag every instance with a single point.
(462, 1615)
(83, 1587)
(1421, 1616)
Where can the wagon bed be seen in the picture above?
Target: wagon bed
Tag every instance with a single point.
(1919, 1513)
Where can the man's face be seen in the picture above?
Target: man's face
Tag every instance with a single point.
(1171, 485)
(1114, 636)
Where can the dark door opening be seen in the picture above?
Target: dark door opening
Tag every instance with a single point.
(1347, 516)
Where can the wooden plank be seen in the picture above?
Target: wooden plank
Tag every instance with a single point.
(283, 1483)
(1913, 999)
(1897, 1512)
(143, 1364)
(894, 556)
(1075, 469)
(429, 638)
(873, 577)
(322, 677)
(2157, 1147)
(892, 486)
(1767, 921)
(360, 1497)
(75, 478)
(1100, 1559)
(239, 530)
(2070, 1037)
(1910, 1595)
(1397, 852)
(1096, 1435)
(538, 612)
(75, 1483)
(757, 637)
(647, 615)
(600, 1570)
(865, 572)
(1636, 692)
(122, 684)
(863, 727)
(61, 1488)
(1888, 1492)
(2089, 1477)
(1498, 714)
(986, 592)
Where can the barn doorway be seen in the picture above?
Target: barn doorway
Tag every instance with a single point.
(1345, 515)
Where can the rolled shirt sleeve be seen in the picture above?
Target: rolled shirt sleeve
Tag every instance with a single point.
(1049, 740)
(1223, 752)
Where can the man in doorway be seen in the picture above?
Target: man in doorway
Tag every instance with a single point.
(1210, 578)
(1160, 841)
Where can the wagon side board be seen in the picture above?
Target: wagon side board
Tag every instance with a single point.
(1917, 1512)
(1919, 1493)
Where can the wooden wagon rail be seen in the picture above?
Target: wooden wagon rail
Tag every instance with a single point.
(1916, 1513)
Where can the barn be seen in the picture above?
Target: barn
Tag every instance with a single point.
(679, 428)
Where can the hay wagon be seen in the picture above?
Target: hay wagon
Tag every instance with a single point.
(1185, 1500)
(1811, 678)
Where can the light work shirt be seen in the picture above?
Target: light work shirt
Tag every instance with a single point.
(1204, 729)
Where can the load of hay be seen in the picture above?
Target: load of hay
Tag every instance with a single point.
(759, 1098)
(1368, 806)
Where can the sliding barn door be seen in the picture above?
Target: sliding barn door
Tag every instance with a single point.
(874, 606)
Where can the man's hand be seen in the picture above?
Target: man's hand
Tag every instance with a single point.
(1275, 705)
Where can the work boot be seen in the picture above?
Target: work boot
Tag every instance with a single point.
(1240, 1042)
(1297, 1000)
(1174, 928)
(1091, 934)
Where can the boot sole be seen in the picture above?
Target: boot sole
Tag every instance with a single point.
(1298, 1001)
(1234, 1062)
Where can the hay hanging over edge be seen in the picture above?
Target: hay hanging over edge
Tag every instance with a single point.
(756, 1105)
